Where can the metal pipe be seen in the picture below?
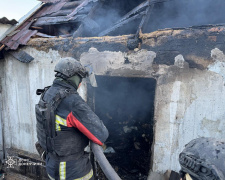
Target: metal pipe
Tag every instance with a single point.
(104, 163)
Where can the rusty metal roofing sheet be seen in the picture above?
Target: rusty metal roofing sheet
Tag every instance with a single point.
(49, 9)
(26, 37)
(23, 22)
(21, 33)
(21, 38)
(4, 20)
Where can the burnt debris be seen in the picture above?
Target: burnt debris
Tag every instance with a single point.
(88, 18)
(126, 107)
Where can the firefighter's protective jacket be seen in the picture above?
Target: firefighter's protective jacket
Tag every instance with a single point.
(75, 125)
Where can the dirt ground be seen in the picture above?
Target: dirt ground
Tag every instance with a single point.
(14, 176)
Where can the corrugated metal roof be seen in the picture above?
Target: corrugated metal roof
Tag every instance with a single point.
(5, 20)
(16, 28)
(20, 34)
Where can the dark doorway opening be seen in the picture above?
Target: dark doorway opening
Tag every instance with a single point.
(126, 106)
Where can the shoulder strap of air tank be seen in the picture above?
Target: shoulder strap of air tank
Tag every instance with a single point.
(54, 104)
(60, 96)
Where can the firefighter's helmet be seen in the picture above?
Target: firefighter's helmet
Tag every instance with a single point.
(203, 159)
(70, 67)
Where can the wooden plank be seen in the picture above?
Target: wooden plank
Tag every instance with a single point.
(78, 8)
(49, 1)
(66, 12)
(85, 10)
(22, 56)
(39, 28)
(79, 31)
(58, 20)
(140, 8)
(2, 46)
(134, 11)
(107, 31)
(61, 13)
(145, 18)
(71, 5)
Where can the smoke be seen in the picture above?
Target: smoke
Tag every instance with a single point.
(126, 107)
(111, 12)
(186, 13)
(170, 14)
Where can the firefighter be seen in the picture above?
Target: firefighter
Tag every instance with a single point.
(65, 124)
(203, 159)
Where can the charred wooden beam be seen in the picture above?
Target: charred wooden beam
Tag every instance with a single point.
(71, 5)
(79, 31)
(145, 19)
(118, 25)
(61, 13)
(140, 8)
(49, 1)
(85, 10)
(43, 21)
(81, 6)
(134, 11)
(34, 27)
(2, 47)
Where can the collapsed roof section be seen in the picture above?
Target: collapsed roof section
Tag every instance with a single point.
(77, 18)
(48, 15)
(87, 18)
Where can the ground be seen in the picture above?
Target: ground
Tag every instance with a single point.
(14, 176)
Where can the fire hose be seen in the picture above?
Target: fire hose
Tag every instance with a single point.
(104, 163)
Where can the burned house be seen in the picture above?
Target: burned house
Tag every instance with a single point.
(159, 65)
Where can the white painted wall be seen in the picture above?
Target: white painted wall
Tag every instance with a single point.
(21, 81)
(188, 105)
(4, 28)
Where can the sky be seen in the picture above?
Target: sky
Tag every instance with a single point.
(16, 9)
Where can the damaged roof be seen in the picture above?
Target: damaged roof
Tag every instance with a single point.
(75, 18)
(85, 18)
(50, 12)
(5, 20)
